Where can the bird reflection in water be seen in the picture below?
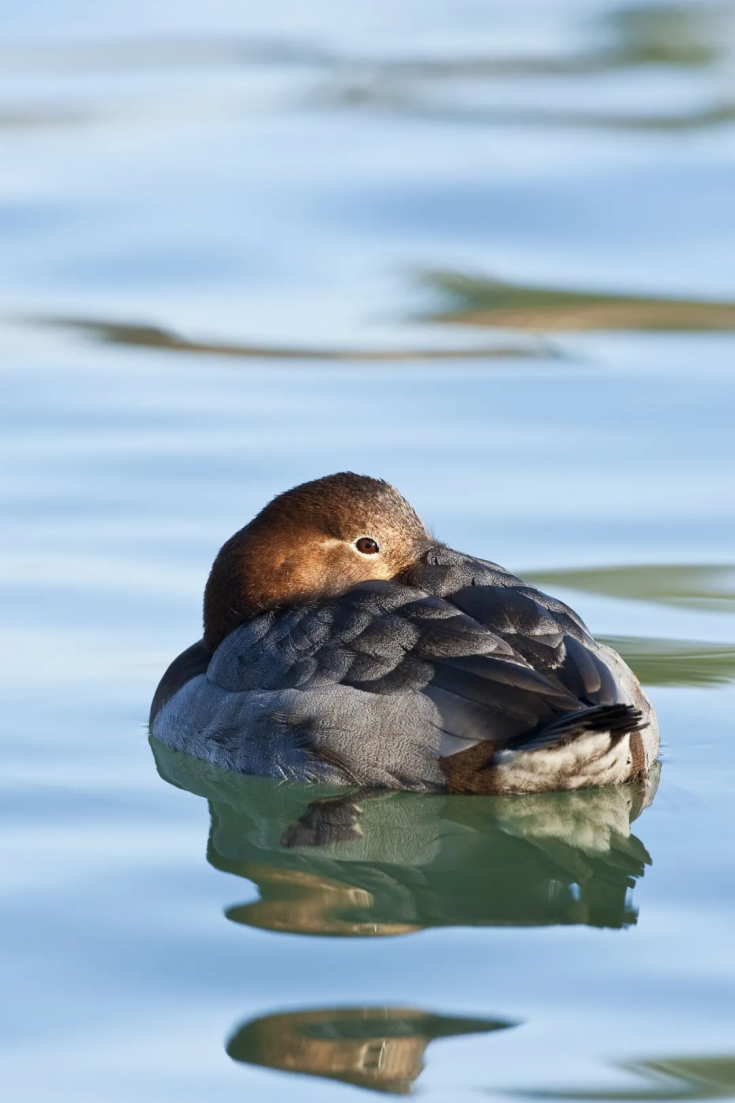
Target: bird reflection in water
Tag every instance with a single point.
(380, 1048)
(374, 863)
(389, 863)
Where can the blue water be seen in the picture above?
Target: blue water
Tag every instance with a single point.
(226, 233)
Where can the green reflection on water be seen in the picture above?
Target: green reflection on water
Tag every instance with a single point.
(690, 37)
(675, 662)
(669, 1078)
(694, 586)
(714, 114)
(377, 863)
(474, 300)
(686, 36)
(680, 34)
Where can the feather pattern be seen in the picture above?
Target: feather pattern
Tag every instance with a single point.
(455, 675)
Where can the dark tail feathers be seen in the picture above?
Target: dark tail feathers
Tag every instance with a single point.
(619, 720)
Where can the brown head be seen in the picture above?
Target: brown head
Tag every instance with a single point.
(317, 540)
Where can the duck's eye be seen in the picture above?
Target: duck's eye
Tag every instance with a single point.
(367, 546)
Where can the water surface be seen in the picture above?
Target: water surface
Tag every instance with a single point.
(484, 251)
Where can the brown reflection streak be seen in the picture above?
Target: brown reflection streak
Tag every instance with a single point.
(379, 1048)
(119, 333)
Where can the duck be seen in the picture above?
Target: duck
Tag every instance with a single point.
(344, 645)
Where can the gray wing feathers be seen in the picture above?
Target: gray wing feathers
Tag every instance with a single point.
(541, 630)
(387, 640)
(374, 686)
(380, 636)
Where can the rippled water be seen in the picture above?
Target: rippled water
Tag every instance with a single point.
(485, 251)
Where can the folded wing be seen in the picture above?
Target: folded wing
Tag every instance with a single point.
(499, 665)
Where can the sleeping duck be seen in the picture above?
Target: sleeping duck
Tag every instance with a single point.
(343, 644)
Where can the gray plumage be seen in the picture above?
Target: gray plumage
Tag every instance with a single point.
(391, 682)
